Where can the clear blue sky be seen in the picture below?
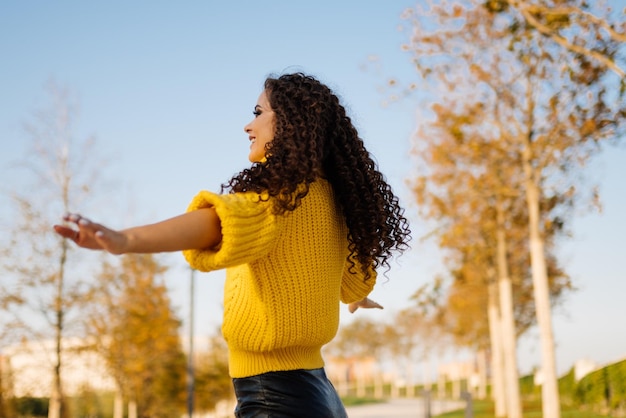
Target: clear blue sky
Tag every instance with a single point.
(167, 88)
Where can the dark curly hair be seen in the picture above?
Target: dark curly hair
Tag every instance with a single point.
(315, 138)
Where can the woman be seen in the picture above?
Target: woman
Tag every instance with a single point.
(307, 225)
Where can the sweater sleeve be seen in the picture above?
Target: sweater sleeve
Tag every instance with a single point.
(354, 287)
(249, 229)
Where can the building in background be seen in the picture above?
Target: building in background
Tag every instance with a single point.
(29, 367)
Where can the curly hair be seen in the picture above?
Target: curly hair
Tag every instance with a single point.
(315, 138)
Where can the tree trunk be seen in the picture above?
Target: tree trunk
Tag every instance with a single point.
(511, 378)
(497, 364)
(428, 376)
(441, 386)
(549, 390)
(118, 405)
(56, 400)
(481, 360)
(378, 384)
(456, 387)
(132, 409)
(3, 391)
(410, 385)
(394, 389)
(54, 408)
(360, 385)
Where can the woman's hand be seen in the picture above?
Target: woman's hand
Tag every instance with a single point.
(92, 235)
(366, 303)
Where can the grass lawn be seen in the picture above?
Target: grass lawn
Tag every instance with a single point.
(530, 409)
(354, 401)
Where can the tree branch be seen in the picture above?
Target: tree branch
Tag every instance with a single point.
(565, 10)
(526, 11)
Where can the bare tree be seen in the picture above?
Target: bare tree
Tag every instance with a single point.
(41, 287)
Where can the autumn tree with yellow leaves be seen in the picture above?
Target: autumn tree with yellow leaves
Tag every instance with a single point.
(524, 93)
(133, 327)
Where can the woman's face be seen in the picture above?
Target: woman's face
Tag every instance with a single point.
(261, 129)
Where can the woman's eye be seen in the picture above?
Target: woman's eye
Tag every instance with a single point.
(256, 113)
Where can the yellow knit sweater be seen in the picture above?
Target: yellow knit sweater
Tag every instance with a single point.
(285, 277)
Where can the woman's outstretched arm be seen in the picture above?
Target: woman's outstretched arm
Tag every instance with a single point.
(198, 229)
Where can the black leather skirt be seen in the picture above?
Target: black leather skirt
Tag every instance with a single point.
(294, 393)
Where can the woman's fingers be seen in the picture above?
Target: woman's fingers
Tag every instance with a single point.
(371, 304)
(66, 232)
(366, 303)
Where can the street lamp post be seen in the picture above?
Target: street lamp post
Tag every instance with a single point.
(190, 371)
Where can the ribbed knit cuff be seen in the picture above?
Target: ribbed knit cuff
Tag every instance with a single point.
(353, 285)
(248, 230)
